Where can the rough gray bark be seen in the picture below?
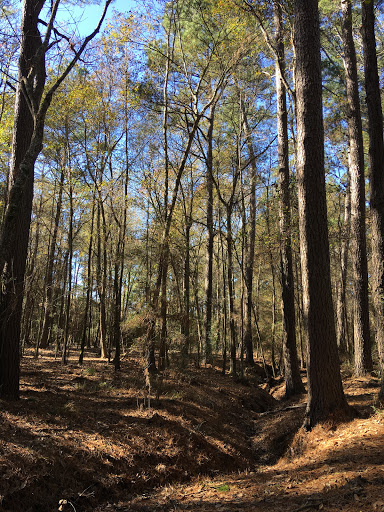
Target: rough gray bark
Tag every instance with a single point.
(362, 342)
(326, 398)
(293, 383)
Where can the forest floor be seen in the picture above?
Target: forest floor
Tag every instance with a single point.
(83, 439)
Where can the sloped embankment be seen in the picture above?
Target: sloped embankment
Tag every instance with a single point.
(86, 435)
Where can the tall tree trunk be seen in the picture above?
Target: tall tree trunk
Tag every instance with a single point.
(376, 164)
(326, 398)
(207, 354)
(165, 248)
(13, 269)
(249, 265)
(293, 383)
(120, 253)
(195, 284)
(148, 267)
(362, 342)
(151, 360)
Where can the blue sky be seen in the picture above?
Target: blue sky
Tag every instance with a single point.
(86, 18)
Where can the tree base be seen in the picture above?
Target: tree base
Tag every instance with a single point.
(331, 418)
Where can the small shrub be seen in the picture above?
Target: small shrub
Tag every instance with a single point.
(223, 488)
(105, 385)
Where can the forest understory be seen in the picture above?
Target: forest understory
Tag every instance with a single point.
(85, 439)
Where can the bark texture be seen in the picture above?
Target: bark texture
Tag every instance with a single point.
(362, 343)
(326, 398)
(376, 166)
(18, 216)
(293, 383)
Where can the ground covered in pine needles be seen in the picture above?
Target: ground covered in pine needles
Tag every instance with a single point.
(85, 439)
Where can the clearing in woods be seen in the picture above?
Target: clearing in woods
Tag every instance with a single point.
(83, 439)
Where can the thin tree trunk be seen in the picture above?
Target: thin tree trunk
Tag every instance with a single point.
(31, 265)
(165, 248)
(185, 330)
(273, 275)
(300, 316)
(198, 317)
(117, 314)
(231, 293)
(224, 295)
(101, 277)
(341, 301)
(207, 355)
(47, 319)
(86, 318)
(163, 310)
(249, 265)
(30, 113)
(69, 271)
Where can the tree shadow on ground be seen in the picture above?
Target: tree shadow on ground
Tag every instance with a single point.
(83, 435)
(349, 479)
